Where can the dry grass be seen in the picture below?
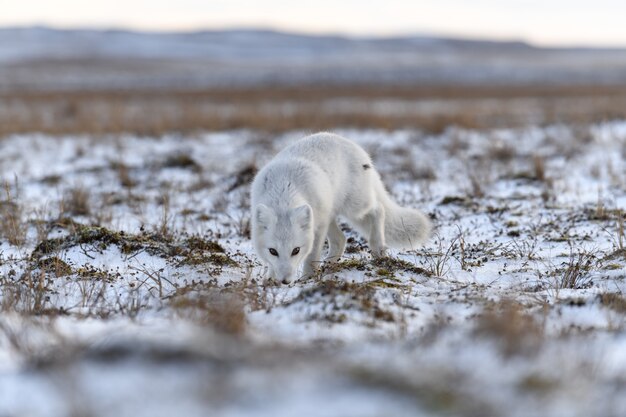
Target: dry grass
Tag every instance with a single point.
(576, 273)
(309, 107)
(77, 202)
(12, 228)
(500, 151)
(222, 311)
(29, 295)
(441, 393)
(438, 263)
(614, 301)
(123, 174)
(539, 168)
(512, 327)
(340, 298)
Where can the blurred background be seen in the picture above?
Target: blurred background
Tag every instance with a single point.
(68, 66)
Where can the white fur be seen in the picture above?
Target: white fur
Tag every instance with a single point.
(297, 197)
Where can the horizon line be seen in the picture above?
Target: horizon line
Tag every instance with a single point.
(400, 34)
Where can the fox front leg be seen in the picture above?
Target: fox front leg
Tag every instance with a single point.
(312, 261)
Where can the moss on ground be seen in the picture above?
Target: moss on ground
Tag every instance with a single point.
(217, 259)
(54, 265)
(100, 238)
(389, 266)
(197, 243)
(193, 250)
(384, 267)
(341, 296)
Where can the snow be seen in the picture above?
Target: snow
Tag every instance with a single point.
(486, 327)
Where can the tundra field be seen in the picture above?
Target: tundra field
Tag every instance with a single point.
(129, 285)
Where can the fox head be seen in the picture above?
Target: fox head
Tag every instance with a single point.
(283, 239)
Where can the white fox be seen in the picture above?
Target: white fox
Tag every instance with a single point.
(298, 195)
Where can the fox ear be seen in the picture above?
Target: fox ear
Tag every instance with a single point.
(264, 215)
(303, 216)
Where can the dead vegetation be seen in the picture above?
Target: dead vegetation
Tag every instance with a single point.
(385, 267)
(99, 239)
(193, 250)
(442, 393)
(183, 161)
(77, 202)
(508, 323)
(259, 108)
(439, 261)
(12, 226)
(223, 311)
(614, 301)
(342, 297)
(576, 273)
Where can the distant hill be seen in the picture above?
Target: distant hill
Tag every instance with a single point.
(45, 58)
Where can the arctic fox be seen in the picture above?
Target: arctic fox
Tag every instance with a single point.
(298, 195)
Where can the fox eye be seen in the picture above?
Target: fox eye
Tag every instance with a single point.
(295, 251)
(273, 252)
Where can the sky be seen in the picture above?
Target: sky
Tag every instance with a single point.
(546, 23)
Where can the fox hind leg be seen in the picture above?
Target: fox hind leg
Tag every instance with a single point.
(375, 224)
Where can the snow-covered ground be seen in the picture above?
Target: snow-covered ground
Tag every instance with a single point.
(129, 286)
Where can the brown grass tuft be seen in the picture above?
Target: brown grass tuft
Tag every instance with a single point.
(222, 311)
(614, 301)
(500, 151)
(576, 273)
(539, 168)
(515, 331)
(76, 202)
(11, 226)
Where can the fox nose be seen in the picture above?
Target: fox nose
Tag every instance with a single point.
(285, 277)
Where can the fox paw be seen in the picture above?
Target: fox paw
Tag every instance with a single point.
(379, 252)
(309, 272)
